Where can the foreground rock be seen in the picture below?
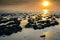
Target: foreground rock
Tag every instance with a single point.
(41, 24)
(7, 27)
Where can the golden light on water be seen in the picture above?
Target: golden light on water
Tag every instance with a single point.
(33, 17)
(43, 18)
(44, 14)
(45, 6)
(45, 11)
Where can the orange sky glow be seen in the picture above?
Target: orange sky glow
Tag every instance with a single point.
(33, 5)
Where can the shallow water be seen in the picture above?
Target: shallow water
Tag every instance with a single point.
(52, 33)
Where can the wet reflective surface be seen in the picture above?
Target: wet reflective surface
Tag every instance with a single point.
(52, 33)
(39, 28)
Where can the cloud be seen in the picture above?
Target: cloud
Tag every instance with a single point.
(20, 2)
(16, 2)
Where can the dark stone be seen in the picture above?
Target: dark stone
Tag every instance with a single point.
(10, 28)
(43, 36)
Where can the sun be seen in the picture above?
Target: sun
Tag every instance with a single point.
(45, 3)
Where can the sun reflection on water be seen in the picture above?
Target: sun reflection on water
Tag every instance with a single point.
(45, 11)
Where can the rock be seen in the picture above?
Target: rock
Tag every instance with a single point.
(43, 36)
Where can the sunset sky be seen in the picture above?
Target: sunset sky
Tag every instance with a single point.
(28, 4)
